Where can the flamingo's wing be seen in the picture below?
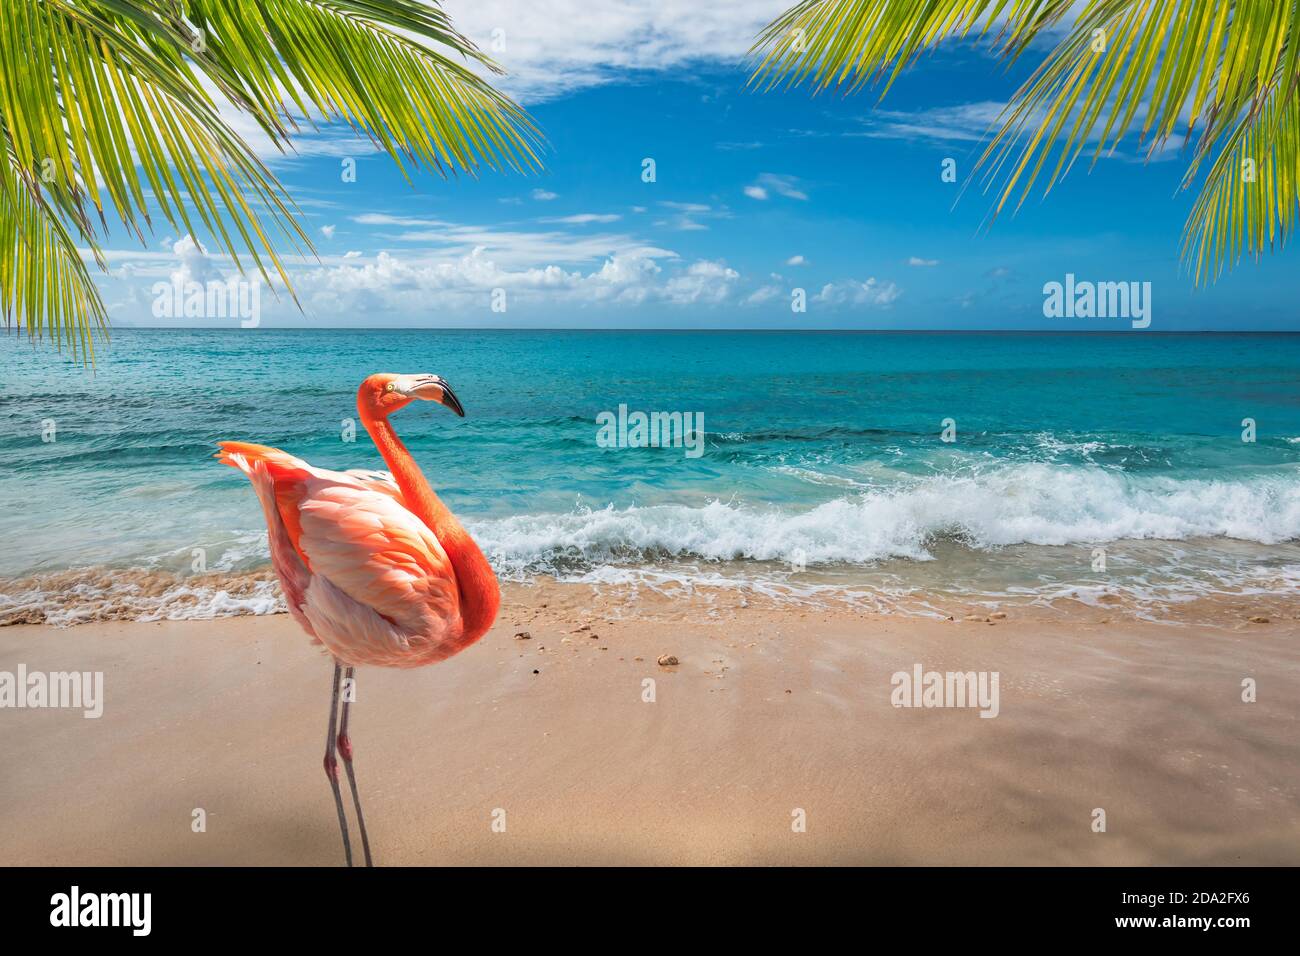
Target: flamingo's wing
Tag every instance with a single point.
(377, 552)
(262, 470)
(380, 481)
(381, 588)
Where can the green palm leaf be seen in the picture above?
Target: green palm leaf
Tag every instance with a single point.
(44, 277)
(121, 123)
(1222, 74)
(1250, 197)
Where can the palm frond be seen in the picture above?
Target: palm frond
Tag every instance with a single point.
(42, 274)
(1163, 65)
(375, 65)
(1251, 196)
(1149, 69)
(854, 42)
(117, 123)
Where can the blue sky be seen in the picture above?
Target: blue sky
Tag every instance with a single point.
(756, 196)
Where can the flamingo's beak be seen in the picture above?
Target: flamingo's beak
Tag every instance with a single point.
(433, 389)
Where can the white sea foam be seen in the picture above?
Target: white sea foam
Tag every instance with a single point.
(1034, 504)
(90, 594)
(855, 542)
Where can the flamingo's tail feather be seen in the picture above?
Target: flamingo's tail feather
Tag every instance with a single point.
(246, 455)
(277, 478)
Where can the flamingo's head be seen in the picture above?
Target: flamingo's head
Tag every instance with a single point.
(384, 393)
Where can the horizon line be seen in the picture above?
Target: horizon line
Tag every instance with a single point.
(18, 332)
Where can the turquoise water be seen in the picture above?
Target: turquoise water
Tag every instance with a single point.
(822, 462)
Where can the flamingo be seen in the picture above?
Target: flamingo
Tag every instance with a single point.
(374, 567)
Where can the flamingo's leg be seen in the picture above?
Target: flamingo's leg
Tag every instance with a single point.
(332, 764)
(345, 748)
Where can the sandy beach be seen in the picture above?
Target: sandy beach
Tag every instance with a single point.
(770, 711)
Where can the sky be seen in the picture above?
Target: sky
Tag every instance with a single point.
(759, 201)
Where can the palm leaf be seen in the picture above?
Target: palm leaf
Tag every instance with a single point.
(121, 126)
(853, 42)
(42, 274)
(1207, 70)
(1250, 198)
(356, 60)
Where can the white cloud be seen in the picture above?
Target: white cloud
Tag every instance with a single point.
(870, 292)
(451, 259)
(512, 247)
(964, 123)
(337, 140)
(194, 264)
(978, 122)
(400, 288)
(554, 46)
(796, 261)
(328, 231)
(544, 195)
(582, 218)
(782, 185)
(387, 219)
(396, 284)
(705, 281)
(763, 294)
(686, 215)
(405, 285)
(185, 260)
(918, 261)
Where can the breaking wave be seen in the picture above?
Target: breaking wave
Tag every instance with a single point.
(1020, 506)
(1032, 504)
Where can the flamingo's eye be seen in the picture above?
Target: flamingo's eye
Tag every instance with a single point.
(389, 387)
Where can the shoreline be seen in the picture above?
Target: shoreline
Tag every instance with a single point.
(80, 597)
(770, 711)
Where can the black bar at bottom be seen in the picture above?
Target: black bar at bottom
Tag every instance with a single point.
(536, 905)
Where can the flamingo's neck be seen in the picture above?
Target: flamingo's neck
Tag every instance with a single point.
(479, 594)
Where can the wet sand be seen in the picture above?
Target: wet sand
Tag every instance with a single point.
(771, 711)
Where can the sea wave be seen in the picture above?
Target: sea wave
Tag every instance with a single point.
(858, 545)
(85, 595)
(1034, 504)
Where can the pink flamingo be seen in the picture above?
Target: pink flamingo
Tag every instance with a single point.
(373, 565)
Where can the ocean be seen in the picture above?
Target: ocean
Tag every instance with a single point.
(1080, 465)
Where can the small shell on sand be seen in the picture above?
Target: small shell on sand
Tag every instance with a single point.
(1259, 619)
(523, 636)
(667, 660)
